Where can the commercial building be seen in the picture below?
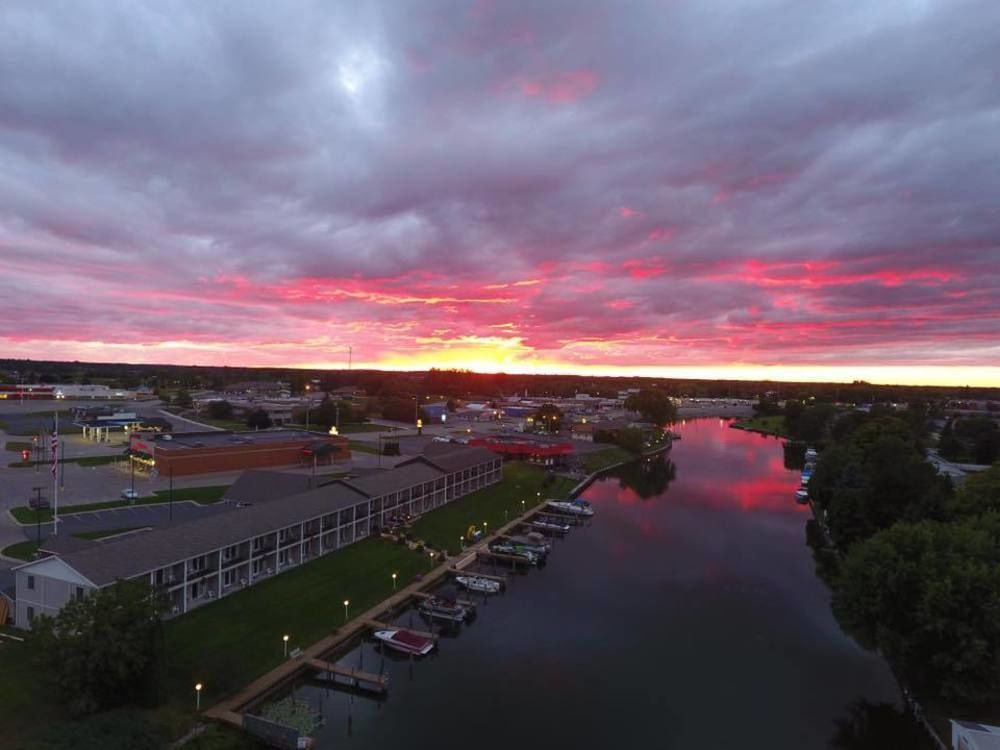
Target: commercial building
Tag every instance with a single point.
(197, 562)
(187, 453)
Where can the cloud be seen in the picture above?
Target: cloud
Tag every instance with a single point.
(758, 182)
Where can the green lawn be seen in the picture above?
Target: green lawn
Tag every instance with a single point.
(357, 445)
(522, 482)
(774, 425)
(201, 495)
(230, 642)
(16, 446)
(347, 429)
(602, 459)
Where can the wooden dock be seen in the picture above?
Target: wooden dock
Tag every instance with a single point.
(230, 710)
(350, 677)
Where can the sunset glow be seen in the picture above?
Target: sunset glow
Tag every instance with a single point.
(505, 189)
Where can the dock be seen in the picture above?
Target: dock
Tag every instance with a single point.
(350, 677)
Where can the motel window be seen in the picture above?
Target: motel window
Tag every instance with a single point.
(31, 614)
(283, 557)
(228, 577)
(31, 583)
(258, 543)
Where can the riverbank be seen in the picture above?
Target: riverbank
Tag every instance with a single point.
(773, 425)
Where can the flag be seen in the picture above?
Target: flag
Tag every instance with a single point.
(55, 452)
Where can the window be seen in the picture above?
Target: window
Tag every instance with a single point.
(159, 577)
(228, 577)
(258, 565)
(31, 614)
(78, 594)
(194, 590)
(258, 544)
(282, 536)
(31, 584)
(283, 557)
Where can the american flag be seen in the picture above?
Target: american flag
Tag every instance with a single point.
(55, 452)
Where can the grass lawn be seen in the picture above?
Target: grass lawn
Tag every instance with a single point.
(16, 446)
(201, 495)
(232, 641)
(357, 445)
(602, 459)
(443, 527)
(362, 427)
(774, 425)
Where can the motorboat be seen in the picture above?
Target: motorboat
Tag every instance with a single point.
(503, 548)
(539, 547)
(440, 608)
(405, 641)
(573, 507)
(802, 495)
(551, 526)
(811, 455)
(478, 583)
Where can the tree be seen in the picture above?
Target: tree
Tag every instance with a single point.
(978, 495)
(927, 595)
(104, 649)
(400, 410)
(258, 419)
(653, 405)
(877, 726)
(221, 409)
(549, 416)
(182, 399)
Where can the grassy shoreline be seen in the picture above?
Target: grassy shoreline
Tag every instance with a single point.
(774, 425)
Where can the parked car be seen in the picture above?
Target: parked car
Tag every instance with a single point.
(130, 494)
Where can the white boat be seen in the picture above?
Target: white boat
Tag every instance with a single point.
(574, 507)
(405, 641)
(811, 455)
(478, 583)
(802, 495)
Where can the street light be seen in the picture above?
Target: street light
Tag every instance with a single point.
(285, 640)
(197, 696)
(347, 603)
(393, 581)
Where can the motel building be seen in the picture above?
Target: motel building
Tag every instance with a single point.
(285, 523)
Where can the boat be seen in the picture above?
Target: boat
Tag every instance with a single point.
(811, 455)
(501, 548)
(574, 507)
(802, 495)
(441, 608)
(540, 548)
(551, 526)
(405, 641)
(478, 583)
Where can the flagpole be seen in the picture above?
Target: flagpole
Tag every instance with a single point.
(55, 478)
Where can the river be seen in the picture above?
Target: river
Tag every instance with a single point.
(687, 614)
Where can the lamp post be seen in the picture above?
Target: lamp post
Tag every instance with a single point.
(347, 603)
(393, 581)
(197, 696)
(284, 640)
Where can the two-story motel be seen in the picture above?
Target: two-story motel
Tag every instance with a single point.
(196, 562)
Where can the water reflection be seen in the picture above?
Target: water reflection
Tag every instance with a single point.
(646, 478)
(686, 614)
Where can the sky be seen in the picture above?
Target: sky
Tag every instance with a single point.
(736, 188)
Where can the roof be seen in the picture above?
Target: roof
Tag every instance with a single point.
(140, 553)
(60, 545)
(218, 439)
(393, 480)
(256, 485)
(450, 457)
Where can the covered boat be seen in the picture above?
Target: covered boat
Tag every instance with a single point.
(405, 641)
(441, 608)
(574, 507)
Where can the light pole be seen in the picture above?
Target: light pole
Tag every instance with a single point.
(347, 603)
(393, 581)
(197, 696)
(308, 403)
(285, 641)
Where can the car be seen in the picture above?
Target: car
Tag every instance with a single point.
(130, 494)
(243, 504)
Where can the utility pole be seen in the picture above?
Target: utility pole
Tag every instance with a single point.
(171, 492)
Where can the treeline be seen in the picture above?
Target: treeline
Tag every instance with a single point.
(441, 383)
(916, 568)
